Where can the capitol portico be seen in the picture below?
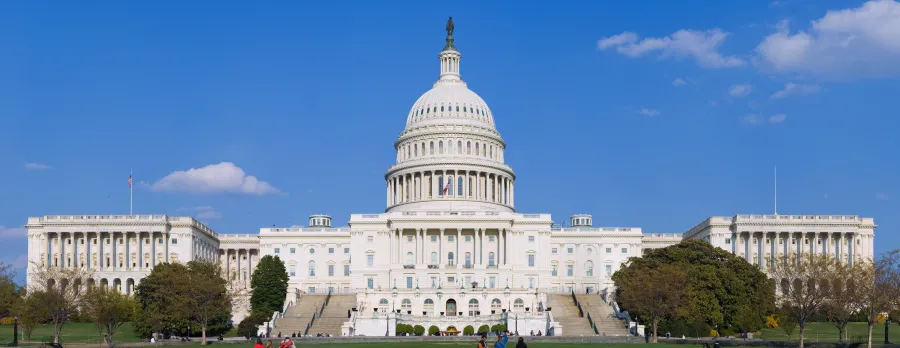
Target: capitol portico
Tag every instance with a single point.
(450, 249)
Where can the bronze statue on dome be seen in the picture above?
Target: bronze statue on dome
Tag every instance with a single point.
(450, 27)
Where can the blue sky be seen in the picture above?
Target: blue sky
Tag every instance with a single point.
(653, 114)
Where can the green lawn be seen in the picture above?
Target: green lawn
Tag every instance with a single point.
(829, 333)
(71, 333)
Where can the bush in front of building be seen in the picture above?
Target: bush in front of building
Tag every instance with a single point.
(403, 329)
(498, 328)
(434, 331)
(483, 329)
(468, 330)
(418, 330)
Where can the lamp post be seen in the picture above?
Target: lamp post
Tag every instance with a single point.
(887, 324)
(15, 341)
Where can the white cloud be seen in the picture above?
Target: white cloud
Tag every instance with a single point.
(852, 43)
(203, 212)
(756, 119)
(792, 89)
(881, 196)
(741, 90)
(13, 232)
(222, 177)
(36, 166)
(648, 112)
(678, 82)
(777, 118)
(702, 46)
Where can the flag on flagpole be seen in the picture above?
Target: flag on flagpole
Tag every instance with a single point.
(447, 187)
(129, 180)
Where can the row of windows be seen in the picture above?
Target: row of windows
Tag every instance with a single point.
(428, 305)
(589, 250)
(311, 271)
(311, 250)
(781, 241)
(450, 258)
(491, 151)
(435, 109)
(588, 270)
(121, 241)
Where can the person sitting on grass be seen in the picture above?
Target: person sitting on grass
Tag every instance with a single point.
(521, 343)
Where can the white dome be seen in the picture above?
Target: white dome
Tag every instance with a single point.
(450, 102)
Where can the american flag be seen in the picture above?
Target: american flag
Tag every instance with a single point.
(447, 187)
(129, 180)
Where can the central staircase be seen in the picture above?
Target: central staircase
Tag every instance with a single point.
(566, 313)
(334, 315)
(602, 314)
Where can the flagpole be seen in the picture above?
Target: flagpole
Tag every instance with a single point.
(130, 194)
(776, 190)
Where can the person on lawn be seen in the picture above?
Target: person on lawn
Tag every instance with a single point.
(482, 343)
(501, 340)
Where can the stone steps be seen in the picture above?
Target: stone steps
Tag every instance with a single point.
(334, 315)
(602, 314)
(566, 313)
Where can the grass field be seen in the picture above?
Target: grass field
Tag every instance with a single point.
(826, 332)
(71, 333)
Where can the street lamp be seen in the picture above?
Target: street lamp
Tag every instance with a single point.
(887, 324)
(15, 341)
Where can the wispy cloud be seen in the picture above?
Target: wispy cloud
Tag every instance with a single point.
(699, 45)
(757, 119)
(679, 82)
(795, 89)
(214, 178)
(202, 212)
(36, 166)
(741, 90)
(13, 232)
(881, 196)
(777, 118)
(649, 112)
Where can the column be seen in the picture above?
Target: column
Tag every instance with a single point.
(49, 249)
(458, 239)
(501, 246)
(387, 185)
(237, 257)
(87, 242)
(250, 265)
(850, 249)
(747, 247)
(391, 247)
(422, 249)
(441, 249)
(167, 247)
(399, 254)
(115, 250)
(102, 257)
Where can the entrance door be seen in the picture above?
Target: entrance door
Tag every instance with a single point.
(451, 307)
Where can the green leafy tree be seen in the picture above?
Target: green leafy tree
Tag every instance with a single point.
(787, 322)
(720, 284)
(30, 314)
(269, 285)
(654, 292)
(209, 303)
(58, 291)
(484, 329)
(108, 309)
(419, 330)
(248, 327)
(10, 292)
(434, 331)
(468, 330)
(162, 299)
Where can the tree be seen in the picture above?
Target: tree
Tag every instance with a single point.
(30, 312)
(721, 285)
(10, 292)
(654, 292)
(269, 285)
(804, 287)
(843, 296)
(468, 330)
(484, 329)
(434, 331)
(162, 298)
(108, 310)
(418, 330)
(787, 322)
(58, 291)
(249, 326)
(208, 298)
(878, 284)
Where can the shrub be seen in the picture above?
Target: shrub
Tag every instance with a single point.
(249, 326)
(772, 321)
(468, 330)
(483, 329)
(7, 321)
(419, 330)
(434, 331)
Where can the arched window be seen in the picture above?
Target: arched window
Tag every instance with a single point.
(589, 251)
(589, 268)
(429, 306)
(312, 268)
(433, 258)
(441, 147)
(450, 258)
(484, 149)
(459, 186)
(519, 305)
(473, 307)
(383, 305)
(449, 185)
(409, 259)
(406, 305)
(440, 186)
(432, 148)
(491, 259)
(464, 109)
(408, 151)
(468, 259)
(457, 108)
(459, 147)
(468, 147)
(416, 150)
(476, 149)
(442, 108)
(491, 153)
(496, 304)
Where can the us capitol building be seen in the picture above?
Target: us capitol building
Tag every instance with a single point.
(449, 250)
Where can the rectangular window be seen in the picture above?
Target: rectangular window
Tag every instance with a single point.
(433, 239)
(490, 238)
(370, 239)
(370, 283)
(450, 238)
(346, 250)
(608, 270)
(293, 251)
(553, 250)
(624, 250)
(553, 272)
(492, 282)
(468, 281)
(609, 250)
(409, 239)
(531, 283)
(174, 241)
(570, 250)
(531, 239)
(370, 260)
(346, 270)
(570, 270)
(331, 270)
(531, 260)
(727, 240)
(331, 250)
(277, 250)
(451, 280)
(311, 289)
(409, 282)
(468, 239)
(293, 271)
(433, 282)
